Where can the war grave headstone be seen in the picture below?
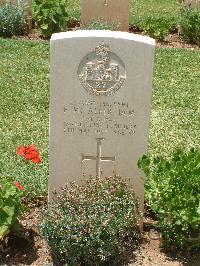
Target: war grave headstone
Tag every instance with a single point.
(100, 101)
(107, 10)
(191, 3)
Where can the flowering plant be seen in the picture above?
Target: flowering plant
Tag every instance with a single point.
(95, 223)
(11, 207)
(30, 153)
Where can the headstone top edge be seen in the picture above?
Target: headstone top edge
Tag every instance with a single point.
(103, 34)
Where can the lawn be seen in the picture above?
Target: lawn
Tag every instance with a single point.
(24, 116)
(143, 8)
(24, 94)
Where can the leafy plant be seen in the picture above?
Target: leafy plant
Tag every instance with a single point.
(173, 193)
(93, 223)
(190, 25)
(12, 20)
(51, 15)
(11, 207)
(99, 24)
(157, 27)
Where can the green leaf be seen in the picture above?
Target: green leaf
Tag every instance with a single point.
(44, 26)
(178, 222)
(10, 192)
(4, 230)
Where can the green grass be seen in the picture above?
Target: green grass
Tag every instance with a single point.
(156, 18)
(24, 94)
(24, 116)
(74, 9)
(144, 8)
(175, 119)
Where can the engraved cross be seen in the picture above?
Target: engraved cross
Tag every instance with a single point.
(99, 158)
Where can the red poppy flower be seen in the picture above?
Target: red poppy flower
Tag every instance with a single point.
(30, 153)
(36, 159)
(21, 151)
(18, 185)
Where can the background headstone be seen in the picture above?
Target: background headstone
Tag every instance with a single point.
(107, 10)
(99, 106)
(191, 3)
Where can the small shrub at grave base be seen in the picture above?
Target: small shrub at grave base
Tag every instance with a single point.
(156, 27)
(173, 193)
(99, 24)
(92, 224)
(190, 25)
(51, 15)
(12, 20)
(11, 207)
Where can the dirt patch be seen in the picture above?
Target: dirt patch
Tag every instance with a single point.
(34, 251)
(173, 40)
(29, 251)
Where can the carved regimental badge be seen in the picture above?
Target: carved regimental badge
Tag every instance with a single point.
(102, 72)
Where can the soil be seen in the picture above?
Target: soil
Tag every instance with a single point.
(173, 40)
(32, 250)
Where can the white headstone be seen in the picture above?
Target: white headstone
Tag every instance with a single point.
(108, 11)
(101, 85)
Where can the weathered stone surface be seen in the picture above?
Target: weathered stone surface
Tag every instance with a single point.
(107, 10)
(192, 3)
(100, 106)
